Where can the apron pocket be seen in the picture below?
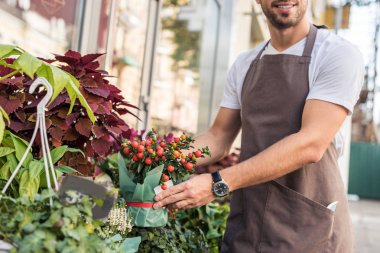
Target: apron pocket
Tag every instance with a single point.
(294, 223)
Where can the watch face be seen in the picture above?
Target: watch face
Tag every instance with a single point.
(220, 189)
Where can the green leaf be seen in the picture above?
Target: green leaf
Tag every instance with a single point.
(20, 146)
(28, 187)
(35, 168)
(131, 245)
(45, 71)
(5, 115)
(58, 153)
(74, 84)
(60, 81)
(2, 128)
(4, 151)
(66, 169)
(28, 64)
(5, 171)
(6, 49)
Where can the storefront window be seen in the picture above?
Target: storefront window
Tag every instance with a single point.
(41, 27)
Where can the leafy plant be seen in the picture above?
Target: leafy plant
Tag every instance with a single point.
(67, 121)
(31, 176)
(173, 238)
(38, 227)
(15, 61)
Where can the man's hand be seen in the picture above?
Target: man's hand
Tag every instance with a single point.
(194, 192)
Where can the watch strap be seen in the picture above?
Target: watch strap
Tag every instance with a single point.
(216, 177)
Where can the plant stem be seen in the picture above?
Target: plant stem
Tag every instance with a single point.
(9, 75)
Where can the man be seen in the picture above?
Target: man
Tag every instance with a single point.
(290, 97)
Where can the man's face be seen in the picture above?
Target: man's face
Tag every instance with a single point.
(283, 14)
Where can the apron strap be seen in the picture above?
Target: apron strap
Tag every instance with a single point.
(310, 41)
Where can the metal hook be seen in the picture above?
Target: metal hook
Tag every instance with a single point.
(40, 124)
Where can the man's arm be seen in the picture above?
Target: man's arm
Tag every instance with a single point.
(220, 136)
(320, 122)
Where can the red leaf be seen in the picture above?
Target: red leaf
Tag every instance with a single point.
(101, 146)
(84, 126)
(70, 135)
(71, 118)
(99, 91)
(89, 150)
(104, 108)
(92, 66)
(10, 105)
(114, 130)
(56, 133)
(20, 114)
(90, 57)
(98, 131)
(16, 126)
(58, 101)
(89, 83)
(73, 54)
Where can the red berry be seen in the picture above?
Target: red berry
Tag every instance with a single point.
(124, 144)
(163, 157)
(183, 161)
(189, 166)
(156, 159)
(170, 168)
(176, 139)
(176, 154)
(142, 143)
(198, 153)
(135, 144)
(148, 142)
(135, 158)
(140, 155)
(140, 148)
(160, 153)
(164, 187)
(190, 155)
(162, 144)
(148, 161)
(165, 177)
(126, 151)
(150, 151)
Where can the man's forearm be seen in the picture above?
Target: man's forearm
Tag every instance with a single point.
(279, 159)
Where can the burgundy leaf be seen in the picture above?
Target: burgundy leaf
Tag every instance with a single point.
(70, 135)
(10, 105)
(56, 133)
(71, 118)
(20, 114)
(89, 83)
(99, 91)
(104, 108)
(83, 127)
(90, 57)
(114, 130)
(101, 146)
(17, 126)
(98, 131)
(91, 66)
(58, 101)
(89, 150)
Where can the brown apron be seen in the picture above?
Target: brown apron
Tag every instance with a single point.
(289, 214)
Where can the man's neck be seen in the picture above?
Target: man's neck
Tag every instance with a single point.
(283, 39)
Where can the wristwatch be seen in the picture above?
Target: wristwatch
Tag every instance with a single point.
(219, 186)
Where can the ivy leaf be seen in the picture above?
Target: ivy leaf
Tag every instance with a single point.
(73, 91)
(83, 127)
(28, 64)
(20, 147)
(61, 80)
(66, 169)
(6, 49)
(45, 71)
(6, 151)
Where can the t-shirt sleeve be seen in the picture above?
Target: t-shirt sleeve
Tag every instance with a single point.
(340, 77)
(230, 95)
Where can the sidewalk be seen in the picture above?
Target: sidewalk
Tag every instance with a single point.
(365, 216)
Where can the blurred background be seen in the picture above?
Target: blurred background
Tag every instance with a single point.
(171, 57)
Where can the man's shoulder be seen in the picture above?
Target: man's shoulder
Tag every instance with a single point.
(330, 45)
(246, 57)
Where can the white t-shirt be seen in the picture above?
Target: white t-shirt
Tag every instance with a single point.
(335, 73)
